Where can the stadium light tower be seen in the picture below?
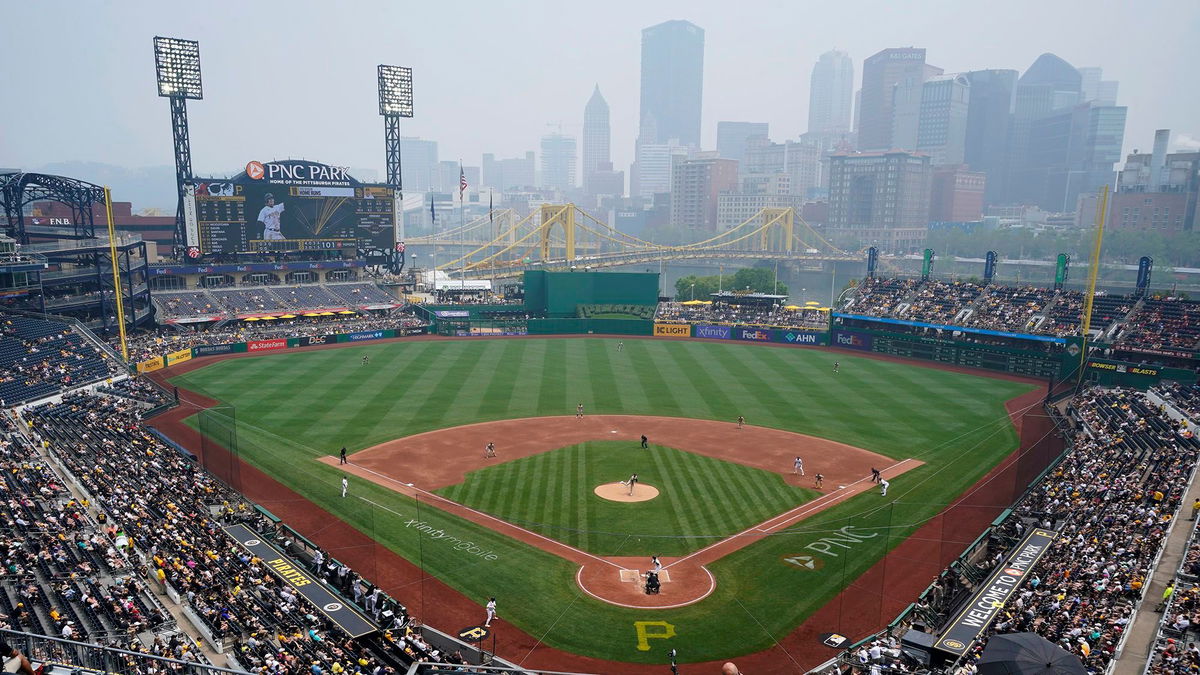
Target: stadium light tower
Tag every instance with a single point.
(177, 64)
(395, 101)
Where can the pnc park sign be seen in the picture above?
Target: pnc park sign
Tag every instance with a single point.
(993, 594)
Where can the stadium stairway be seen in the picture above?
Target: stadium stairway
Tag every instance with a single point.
(1144, 630)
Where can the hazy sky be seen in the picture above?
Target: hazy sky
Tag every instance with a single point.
(297, 79)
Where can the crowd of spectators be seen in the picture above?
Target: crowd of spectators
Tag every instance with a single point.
(771, 315)
(1164, 323)
(231, 302)
(1111, 499)
(153, 343)
(940, 302)
(66, 570)
(159, 506)
(877, 296)
(1185, 398)
(40, 358)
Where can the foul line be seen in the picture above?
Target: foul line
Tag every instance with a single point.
(488, 516)
(795, 513)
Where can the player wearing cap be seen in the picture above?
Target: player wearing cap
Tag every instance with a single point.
(269, 218)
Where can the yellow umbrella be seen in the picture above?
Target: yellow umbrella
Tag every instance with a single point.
(326, 314)
(251, 318)
(791, 307)
(692, 302)
(287, 316)
(812, 302)
(311, 314)
(346, 311)
(268, 318)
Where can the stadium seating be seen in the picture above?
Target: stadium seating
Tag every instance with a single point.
(742, 315)
(232, 302)
(172, 519)
(1164, 323)
(41, 358)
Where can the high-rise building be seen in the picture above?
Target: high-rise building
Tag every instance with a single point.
(449, 175)
(831, 93)
(880, 198)
(942, 133)
(558, 161)
(733, 138)
(672, 83)
(1157, 192)
(989, 112)
(1072, 151)
(509, 174)
(596, 137)
(1093, 86)
(651, 170)
(882, 72)
(956, 195)
(419, 171)
(735, 208)
(606, 182)
(907, 97)
(801, 161)
(1049, 86)
(696, 185)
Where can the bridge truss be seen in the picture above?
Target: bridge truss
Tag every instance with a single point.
(560, 236)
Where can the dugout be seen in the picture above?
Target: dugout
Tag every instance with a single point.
(558, 295)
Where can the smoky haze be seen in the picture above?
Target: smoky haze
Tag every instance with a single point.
(297, 79)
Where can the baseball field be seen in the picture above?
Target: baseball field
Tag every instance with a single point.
(520, 526)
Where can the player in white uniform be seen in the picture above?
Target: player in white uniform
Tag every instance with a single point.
(269, 217)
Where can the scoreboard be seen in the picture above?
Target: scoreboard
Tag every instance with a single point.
(287, 206)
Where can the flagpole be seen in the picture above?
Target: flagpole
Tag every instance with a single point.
(462, 270)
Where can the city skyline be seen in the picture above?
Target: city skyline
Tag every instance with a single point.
(126, 125)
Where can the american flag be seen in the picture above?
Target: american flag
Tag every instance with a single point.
(462, 182)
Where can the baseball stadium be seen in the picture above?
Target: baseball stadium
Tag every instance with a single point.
(293, 445)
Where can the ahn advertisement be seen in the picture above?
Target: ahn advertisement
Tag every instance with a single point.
(851, 340)
(714, 332)
(267, 345)
(800, 337)
(672, 330)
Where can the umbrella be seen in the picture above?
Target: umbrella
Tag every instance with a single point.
(287, 316)
(250, 318)
(346, 311)
(1027, 654)
(792, 307)
(692, 302)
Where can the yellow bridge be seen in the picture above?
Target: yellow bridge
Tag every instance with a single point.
(558, 236)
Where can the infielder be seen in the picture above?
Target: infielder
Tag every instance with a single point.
(798, 466)
(579, 411)
(345, 486)
(491, 611)
(490, 451)
(883, 486)
(269, 218)
(741, 421)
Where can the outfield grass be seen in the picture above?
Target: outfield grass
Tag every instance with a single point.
(552, 494)
(293, 407)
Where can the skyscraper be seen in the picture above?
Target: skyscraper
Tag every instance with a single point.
(419, 170)
(1072, 151)
(989, 112)
(1093, 86)
(558, 161)
(696, 185)
(880, 198)
(508, 174)
(1049, 86)
(942, 133)
(672, 83)
(733, 138)
(831, 93)
(881, 73)
(596, 138)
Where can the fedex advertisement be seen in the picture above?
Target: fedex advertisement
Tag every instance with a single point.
(754, 334)
(850, 340)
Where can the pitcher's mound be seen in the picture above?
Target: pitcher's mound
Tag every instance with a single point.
(617, 492)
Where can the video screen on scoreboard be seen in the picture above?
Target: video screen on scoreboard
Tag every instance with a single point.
(290, 206)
